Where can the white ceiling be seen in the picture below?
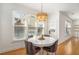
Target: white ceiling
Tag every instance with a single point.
(71, 9)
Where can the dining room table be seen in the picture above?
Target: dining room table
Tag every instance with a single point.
(47, 41)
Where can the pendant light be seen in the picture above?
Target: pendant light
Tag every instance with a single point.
(42, 16)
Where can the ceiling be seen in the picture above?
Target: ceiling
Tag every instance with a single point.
(70, 9)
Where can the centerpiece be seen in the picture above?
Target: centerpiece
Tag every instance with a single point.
(42, 37)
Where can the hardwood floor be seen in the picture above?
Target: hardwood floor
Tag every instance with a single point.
(21, 51)
(70, 47)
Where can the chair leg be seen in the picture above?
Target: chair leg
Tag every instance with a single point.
(47, 53)
(26, 52)
(54, 53)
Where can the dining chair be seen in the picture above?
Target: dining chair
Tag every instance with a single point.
(28, 46)
(36, 49)
(52, 48)
(31, 49)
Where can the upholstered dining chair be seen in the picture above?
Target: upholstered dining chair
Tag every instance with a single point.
(28, 46)
(51, 49)
(36, 49)
(31, 49)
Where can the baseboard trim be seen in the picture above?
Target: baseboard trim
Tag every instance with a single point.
(11, 51)
(66, 40)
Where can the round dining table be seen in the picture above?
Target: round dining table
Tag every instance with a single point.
(48, 41)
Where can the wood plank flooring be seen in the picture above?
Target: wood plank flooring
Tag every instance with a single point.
(70, 47)
(20, 51)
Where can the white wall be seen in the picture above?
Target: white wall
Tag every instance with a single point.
(76, 22)
(0, 23)
(76, 33)
(57, 21)
(6, 29)
(53, 23)
(62, 19)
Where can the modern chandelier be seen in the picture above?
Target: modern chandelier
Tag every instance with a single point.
(42, 16)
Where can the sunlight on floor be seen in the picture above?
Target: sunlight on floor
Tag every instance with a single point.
(68, 48)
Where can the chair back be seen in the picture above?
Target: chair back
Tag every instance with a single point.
(30, 48)
(52, 48)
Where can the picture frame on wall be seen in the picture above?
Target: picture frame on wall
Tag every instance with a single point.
(67, 28)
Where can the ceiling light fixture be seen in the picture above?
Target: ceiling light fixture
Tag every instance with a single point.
(42, 16)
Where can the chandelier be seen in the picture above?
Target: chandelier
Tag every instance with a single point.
(42, 16)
